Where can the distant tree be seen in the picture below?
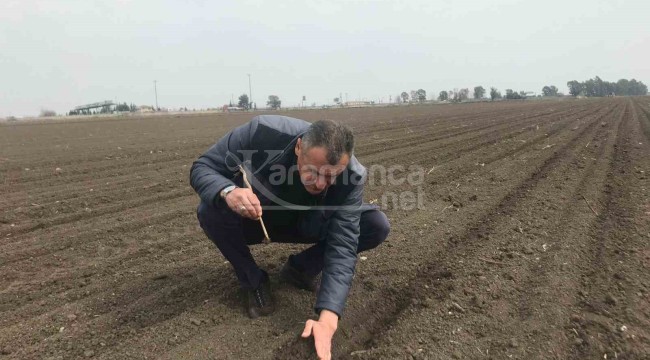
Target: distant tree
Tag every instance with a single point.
(47, 113)
(443, 96)
(337, 100)
(494, 94)
(594, 87)
(513, 95)
(243, 101)
(609, 88)
(133, 108)
(623, 87)
(422, 95)
(575, 87)
(550, 90)
(405, 96)
(589, 87)
(464, 94)
(603, 88)
(598, 87)
(637, 88)
(122, 107)
(274, 102)
(479, 91)
(461, 95)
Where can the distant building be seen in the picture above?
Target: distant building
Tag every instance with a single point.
(227, 108)
(104, 107)
(145, 109)
(357, 103)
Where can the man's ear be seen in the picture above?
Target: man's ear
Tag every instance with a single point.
(298, 147)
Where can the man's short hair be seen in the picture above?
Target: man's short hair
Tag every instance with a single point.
(336, 138)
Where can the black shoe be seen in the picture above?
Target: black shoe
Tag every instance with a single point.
(299, 279)
(260, 300)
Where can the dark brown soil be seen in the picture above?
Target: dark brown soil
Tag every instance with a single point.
(533, 241)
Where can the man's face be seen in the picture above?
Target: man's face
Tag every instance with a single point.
(316, 173)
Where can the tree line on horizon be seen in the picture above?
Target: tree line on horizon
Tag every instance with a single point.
(592, 87)
(596, 87)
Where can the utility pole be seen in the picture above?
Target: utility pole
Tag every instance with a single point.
(155, 90)
(250, 93)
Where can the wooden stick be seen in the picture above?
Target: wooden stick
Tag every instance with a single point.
(592, 209)
(267, 239)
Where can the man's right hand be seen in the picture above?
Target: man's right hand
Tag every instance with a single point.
(245, 203)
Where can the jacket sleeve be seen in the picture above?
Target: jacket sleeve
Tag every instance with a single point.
(213, 171)
(341, 244)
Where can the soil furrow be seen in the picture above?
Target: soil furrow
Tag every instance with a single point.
(612, 318)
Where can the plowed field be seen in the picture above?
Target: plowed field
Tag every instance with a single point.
(532, 240)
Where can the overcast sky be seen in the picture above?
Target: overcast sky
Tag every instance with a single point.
(60, 54)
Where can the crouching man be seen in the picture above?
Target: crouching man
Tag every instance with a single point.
(310, 186)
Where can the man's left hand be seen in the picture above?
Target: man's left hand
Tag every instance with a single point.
(323, 330)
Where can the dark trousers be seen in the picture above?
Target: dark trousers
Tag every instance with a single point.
(233, 234)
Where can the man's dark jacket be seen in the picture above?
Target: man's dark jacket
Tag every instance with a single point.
(265, 144)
